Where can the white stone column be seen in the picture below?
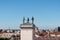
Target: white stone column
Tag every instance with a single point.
(27, 31)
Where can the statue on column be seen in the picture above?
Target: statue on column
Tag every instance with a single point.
(27, 20)
(23, 20)
(32, 20)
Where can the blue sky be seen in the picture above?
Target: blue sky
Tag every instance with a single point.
(45, 12)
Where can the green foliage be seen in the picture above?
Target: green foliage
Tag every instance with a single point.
(4, 39)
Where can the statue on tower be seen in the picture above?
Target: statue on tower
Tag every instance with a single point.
(27, 20)
(32, 20)
(23, 20)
